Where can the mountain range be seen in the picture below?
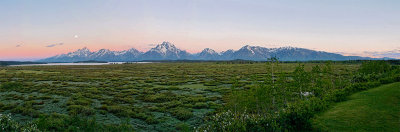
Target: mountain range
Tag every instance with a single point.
(168, 51)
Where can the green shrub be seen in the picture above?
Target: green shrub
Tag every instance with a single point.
(213, 105)
(187, 105)
(240, 122)
(79, 101)
(171, 104)
(10, 86)
(44, 90)
(118, 110)
(374, 67)
(159, 98)
(151, 120)
(46, 97)
(387, 80)
(182, 113)
(200, 105)
(195, 99)
(155, 108)
(126, 99)
(9, 106)
(131, 92)
(52, 122)
(26, 111)
(8, 124)
(183, 127)
(60, 122)
(80, 110)
(1, 107)
(17, 97)
(55, 101)
(173, 88)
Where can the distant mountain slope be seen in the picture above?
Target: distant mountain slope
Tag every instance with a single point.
(168, 51)
(85, 54)
(165, 51)
(208, 54)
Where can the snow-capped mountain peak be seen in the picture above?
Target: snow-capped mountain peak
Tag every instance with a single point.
(103, 52)
(247, 48)
(83, 50)
(208, 54)
(288, 48)
(168, 51)
(209, 51)
(80, 52)
(132, 50)
(165, 47)
(228, 51)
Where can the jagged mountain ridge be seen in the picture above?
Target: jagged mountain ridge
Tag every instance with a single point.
(168, 51)
(209, 54)
(165, 51)
(101, 55)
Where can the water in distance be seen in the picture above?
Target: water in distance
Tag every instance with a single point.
(77, 64)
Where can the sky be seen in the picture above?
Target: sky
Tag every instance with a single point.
(34, 29)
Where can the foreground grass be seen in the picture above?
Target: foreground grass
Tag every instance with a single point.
(376, 109)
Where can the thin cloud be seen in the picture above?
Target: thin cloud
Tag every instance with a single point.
(151, 45)
(18, 45)
(375, 54)
(350, 54)
(272, 45)
(391, 54)
(53, 45)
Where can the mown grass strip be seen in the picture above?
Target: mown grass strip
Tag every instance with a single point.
(377, 109)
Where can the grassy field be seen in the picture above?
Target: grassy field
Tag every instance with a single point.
(155, 96)
(212, 96)
(377, 109)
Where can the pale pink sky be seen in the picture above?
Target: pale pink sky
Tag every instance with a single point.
(350, 27)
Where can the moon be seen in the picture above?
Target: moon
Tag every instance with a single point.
(76, 36)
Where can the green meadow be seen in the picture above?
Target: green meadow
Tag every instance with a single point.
(199, 96)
